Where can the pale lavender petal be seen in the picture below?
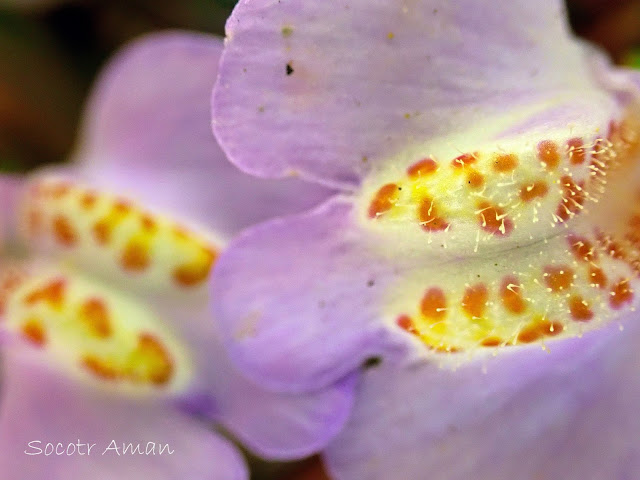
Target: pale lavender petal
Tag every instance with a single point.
(296, 299)
(567, 413)
(40, 405)
(147, 134)
(332, 92)
(273, 425)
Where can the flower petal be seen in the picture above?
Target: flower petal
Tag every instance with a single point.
(330, 93)
(568, 412)
(40, 407)
(147, 135)
(296, 299)
(273, 425)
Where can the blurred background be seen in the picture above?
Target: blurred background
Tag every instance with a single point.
(51, 50)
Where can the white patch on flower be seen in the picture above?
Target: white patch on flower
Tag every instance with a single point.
(115, 237)
(96, 333)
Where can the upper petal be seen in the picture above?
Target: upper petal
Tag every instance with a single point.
(568, 412)
(333, 92)
(146, 134)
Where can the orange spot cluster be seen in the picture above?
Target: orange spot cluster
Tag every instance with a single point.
(476, 316)
(588, 275)
(88, 326)
(130, 234)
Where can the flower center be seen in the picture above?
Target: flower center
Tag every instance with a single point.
(539, 281)
(92, 330)
(114, 236)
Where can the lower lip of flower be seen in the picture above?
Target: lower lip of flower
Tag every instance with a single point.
(114, 235)
(92, 331)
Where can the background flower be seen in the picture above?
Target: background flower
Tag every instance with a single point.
(113, 337)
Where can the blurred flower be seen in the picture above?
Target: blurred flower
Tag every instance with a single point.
(106, 324)
(483, 256)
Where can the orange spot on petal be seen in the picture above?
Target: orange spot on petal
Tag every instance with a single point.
(474, 301)
(422, 168)
(64, 232)
(579, 309)
(102, 232)
(576, 151)
(621, 293)
(558, 278)
(475, 179)
(429, 216)
(99, 368)
(505, 163)
(493, 219)
(406, 323)
(582, 248)
(196, 272)
(95, 315)
(135, 256)
(153, 358)
(464, 160)
(533, 190)
(492, 342)
(434, 304)
(511, 295)
(33, 330)
(52, 293)
(597, 277)
(548, 154)
(384, 199)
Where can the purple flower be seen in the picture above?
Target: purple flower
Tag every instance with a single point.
(108, 339)
(482, 259)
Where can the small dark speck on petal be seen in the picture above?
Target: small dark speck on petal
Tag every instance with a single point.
(371, 283)
(435, 10)
(287, 31)
(372, 362)
(261, 108)
(289, 69)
